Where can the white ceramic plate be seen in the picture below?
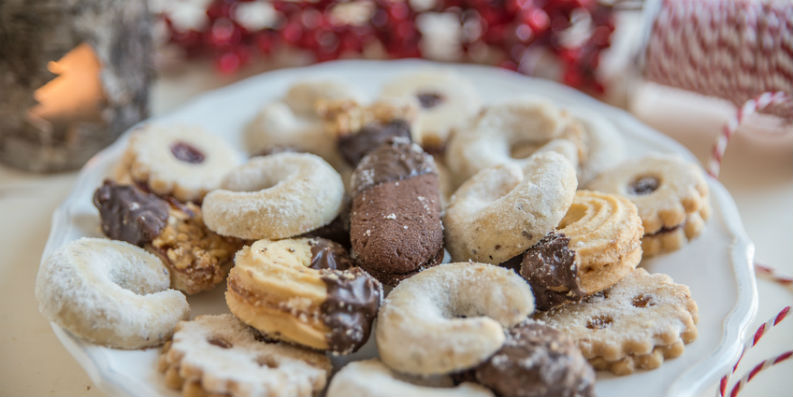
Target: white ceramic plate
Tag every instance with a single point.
(716, 265)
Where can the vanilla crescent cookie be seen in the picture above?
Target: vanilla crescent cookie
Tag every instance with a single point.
(446, 101)
(110, 293)
(450, 317)
(276, 196)
(636, 324)
(304, 291)
(219, 355)
(181, 161)
(502, 211)
(372, 378)
(294, 123)
(502, 131)
(670, 193)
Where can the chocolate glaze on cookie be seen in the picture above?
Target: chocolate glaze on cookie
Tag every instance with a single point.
(549, 266)
(338, 229)
(350, 308)
(353, 296)
(535, 360)
(130, 214)
(395, 224)
(356, 145)
(326, 254)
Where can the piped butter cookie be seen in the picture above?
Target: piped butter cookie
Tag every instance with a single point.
(181, 161)
(304, 291)
(670, 193)
(219, 355)
(636, 324)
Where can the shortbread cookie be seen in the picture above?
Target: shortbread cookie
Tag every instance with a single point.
(502, 211)
(197, 258)
(395, 223)
(181, 161)
(636, 324)
(535, 360)
(450, 317)
(370, 378)
(596, 244)
(109, 292)
(505, 133)
(304, 291)
(219, 355)
(276, 196)
(446, 101)
(670, 193)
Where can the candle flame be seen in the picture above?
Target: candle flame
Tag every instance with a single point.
(75, 94)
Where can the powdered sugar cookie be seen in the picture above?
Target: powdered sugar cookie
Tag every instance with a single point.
(446, 101)
(178, 160)
(450, 317)
(635, 324)
(372, 378)
(502, 211)
(670, 193)
(219, 355)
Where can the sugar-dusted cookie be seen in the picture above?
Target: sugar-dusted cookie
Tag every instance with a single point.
(670, 193)
(181, 161)
(219, 355)
(369, 378)
(595, 245)
(636, 324)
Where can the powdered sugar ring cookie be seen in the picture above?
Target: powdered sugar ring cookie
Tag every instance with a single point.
(219, 355)
(450, 317)
(601, 146)
(635, 324)
(502, 211)
(109, 292)
(178, 160)
(502, 131)
(446, 101)
(276, 196)
(294, 122)
(373, 378)
(304, 291)
(668, 191)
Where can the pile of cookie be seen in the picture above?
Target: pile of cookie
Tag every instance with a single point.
(347, 211)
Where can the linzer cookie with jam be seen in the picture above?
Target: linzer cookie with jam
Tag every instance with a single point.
(395, 223)
(636, 324)
(219, 355)
(181, 161)
(304, 291)
(670, 193)
(197, 258)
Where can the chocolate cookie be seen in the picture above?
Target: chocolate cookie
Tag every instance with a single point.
(536, 360)
(395, 224)
(550, 268)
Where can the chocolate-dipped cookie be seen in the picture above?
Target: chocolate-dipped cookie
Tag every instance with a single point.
(197, 258)
(535, 360)
(305, 291)
(395, 223)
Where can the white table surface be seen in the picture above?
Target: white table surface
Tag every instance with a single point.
(758, 171)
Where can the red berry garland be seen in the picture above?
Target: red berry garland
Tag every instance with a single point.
(501, 32)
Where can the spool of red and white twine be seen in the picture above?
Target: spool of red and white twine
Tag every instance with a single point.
(741, 51)
(738, 50)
